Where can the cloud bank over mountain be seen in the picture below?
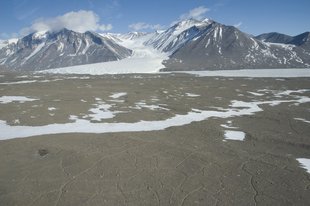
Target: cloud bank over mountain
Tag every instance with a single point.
(79, 21)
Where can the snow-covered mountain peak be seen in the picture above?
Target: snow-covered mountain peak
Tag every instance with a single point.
(174, 37)
(186, 24)
(11, 41)
(4, 43)
(132, 35)
(40, 35)
(207, 20)
(52, 49)
(159, 31)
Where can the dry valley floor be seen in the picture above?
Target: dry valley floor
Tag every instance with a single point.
(153, 139)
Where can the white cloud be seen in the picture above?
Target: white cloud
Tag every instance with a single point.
(105, 27)
(143, 26)
(238, 25)
(196, 13)
(79, 21)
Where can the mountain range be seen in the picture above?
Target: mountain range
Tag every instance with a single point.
(46, 50)
(189, 45)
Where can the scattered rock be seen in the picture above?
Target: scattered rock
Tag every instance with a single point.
(42, 152)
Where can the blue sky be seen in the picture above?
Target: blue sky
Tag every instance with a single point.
(18, 17)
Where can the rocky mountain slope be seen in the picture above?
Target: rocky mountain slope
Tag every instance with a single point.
(176, 36)
(45, 50)
(210, 45)
(188, 45)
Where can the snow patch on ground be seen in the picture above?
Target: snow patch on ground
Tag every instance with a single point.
(140, 105)
(234, 135)
(192, 95)
(86, 126)
(303, 120)
(304, 163)
(19, 82)
(228, 126)
(20, 99)
(101, 111)
(253, 73)
(118, 95)
(256, 94)
(289, 92)
(21, 77)
(29, 81)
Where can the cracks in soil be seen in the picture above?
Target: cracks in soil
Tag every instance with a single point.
(251, 182)
(73, 178)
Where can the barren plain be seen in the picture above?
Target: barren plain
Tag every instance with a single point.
(153, 139)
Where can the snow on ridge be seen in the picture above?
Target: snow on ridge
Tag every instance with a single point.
(86, 46)
(177, 35)
(40, 34)
(39, 47)
(186, 24)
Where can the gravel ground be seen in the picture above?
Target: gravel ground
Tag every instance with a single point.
(188, 161)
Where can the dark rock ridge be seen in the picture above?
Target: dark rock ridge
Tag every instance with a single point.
(299, 40)
(275, 37)
(302, 40)
(39, 51)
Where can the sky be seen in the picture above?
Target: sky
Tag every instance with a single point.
(21, 17)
